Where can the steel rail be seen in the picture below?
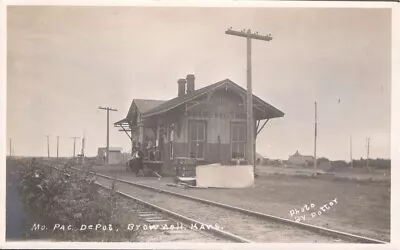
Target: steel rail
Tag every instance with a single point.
(215, 231)
(187, 220)
(318, 229)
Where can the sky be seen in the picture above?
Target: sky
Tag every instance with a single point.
(64, 62)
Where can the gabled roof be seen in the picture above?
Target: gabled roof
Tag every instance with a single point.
(177, 101)
(305, 156)
(142, 105)
(260, 156)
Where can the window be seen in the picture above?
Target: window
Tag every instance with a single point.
(238, 141)
(197, 139)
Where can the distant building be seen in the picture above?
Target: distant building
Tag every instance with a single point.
(261, 160)
(324, 163)
(115, 156)
(300, 160)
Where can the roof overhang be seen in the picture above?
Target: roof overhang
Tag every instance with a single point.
(123, 122)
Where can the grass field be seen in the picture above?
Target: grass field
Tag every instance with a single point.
(356, 174)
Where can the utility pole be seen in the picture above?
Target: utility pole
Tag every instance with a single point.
(108, 129)
(48, 146)
(351, 153)
(249, 98)
(368, 153)
(315, 141)
(83, 148)
(74, 143)
(10, 148)
(58, 138)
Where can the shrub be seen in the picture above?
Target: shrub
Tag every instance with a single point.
(67, 197)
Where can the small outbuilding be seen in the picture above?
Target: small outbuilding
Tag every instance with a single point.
(115, 156)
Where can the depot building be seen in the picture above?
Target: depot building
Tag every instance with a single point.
(207, 124)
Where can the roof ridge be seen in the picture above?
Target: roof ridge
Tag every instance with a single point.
(187, 96)
(179, 100)
(141, 99)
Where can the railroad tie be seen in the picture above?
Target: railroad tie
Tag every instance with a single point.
(147, 215)
(157, 220)
(154, 218)
(146, 212)
(177, 232)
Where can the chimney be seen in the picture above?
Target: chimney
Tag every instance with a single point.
(190, 83)
(181, 87)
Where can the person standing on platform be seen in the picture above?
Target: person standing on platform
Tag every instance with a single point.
(139, 161)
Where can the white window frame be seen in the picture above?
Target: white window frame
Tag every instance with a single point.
(244, 142)
(204, 123)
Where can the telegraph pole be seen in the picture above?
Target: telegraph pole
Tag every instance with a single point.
(368, 153)
(58, 138)
(108, 109)
(249, 98)
(48, 146)
(351, 153)
(10, 148)
(83, 148)
(315, 141)
(74, 143)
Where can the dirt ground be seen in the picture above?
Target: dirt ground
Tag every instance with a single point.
(362, 207)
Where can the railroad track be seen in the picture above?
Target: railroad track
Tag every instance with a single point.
(244, 225)
(156, 219)
(177, 227)
(234, 223)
